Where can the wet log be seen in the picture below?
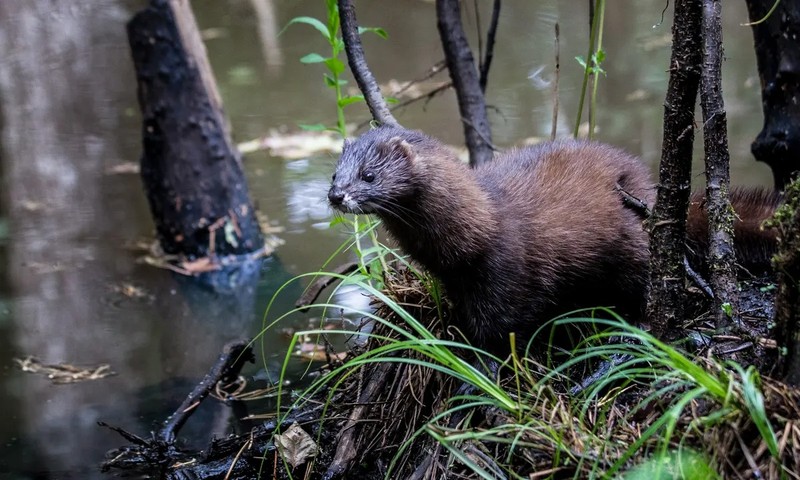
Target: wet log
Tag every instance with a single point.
(191, 170)
(775, 33)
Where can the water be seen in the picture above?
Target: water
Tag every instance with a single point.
(69, 114)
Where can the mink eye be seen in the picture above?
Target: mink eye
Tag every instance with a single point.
(368, 176)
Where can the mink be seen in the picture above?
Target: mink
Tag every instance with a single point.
(535, 233)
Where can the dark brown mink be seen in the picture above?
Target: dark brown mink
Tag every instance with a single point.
(535, 233)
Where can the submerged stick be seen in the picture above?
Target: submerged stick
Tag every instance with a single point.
(226, 369)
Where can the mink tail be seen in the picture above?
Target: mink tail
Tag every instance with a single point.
(754, 244)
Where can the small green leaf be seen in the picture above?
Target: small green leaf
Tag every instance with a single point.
(727, 308)
(315, 127)
(321, 28)
(337, 220)
(376, 30)
(313, 58)
(392, 100)
(333, 7)
(343, 102)
(599, 56)
(331, 82)
(581, 61)
(335, 65)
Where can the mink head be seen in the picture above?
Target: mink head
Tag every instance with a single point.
(377, 172)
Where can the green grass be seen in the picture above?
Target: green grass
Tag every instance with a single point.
(687, 398)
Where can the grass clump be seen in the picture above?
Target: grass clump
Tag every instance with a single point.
(649, 411)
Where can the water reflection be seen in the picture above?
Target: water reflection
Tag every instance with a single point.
(64, 123)
(67, 99)
(268, 33)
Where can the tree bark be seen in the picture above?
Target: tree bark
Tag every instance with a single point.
(464, 74)
(191, 171)
(667, 223)
(721, 256)
(358, 65)
(778, 57)
(787, 297)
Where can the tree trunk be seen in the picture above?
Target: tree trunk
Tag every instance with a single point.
(668, 220)
(191, 171)
(787, 297)
(464, 74)
(721, 256)
(778, 58)
(358, 65)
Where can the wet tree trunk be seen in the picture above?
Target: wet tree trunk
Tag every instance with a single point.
(778, 56)
(721, 256)
(464, 74)
(667, 222)
(192, 173)
(787, 297)
(358, 65)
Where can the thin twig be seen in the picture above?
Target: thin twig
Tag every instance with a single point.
(227, 367)
(490, 40)
(697, 279)
(428, 96)
(634, 203)
(436, 68)
(554, 128)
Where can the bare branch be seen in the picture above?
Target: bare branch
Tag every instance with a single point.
(226, 369)
(490, 39)
(358, 65)
(471, 103)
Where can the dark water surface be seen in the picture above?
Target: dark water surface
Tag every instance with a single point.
(68, 115)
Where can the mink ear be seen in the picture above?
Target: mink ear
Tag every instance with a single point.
(347, 144)
(396, 146)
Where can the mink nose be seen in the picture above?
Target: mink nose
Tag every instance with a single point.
(335, 196)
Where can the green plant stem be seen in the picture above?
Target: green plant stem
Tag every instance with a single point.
(598, 19)
(586, 72)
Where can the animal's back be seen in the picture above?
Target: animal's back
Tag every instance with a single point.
(566, 239)
(563, 199)
(569, 190)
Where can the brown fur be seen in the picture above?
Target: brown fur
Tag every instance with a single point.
(535, 233)
(754, 245)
